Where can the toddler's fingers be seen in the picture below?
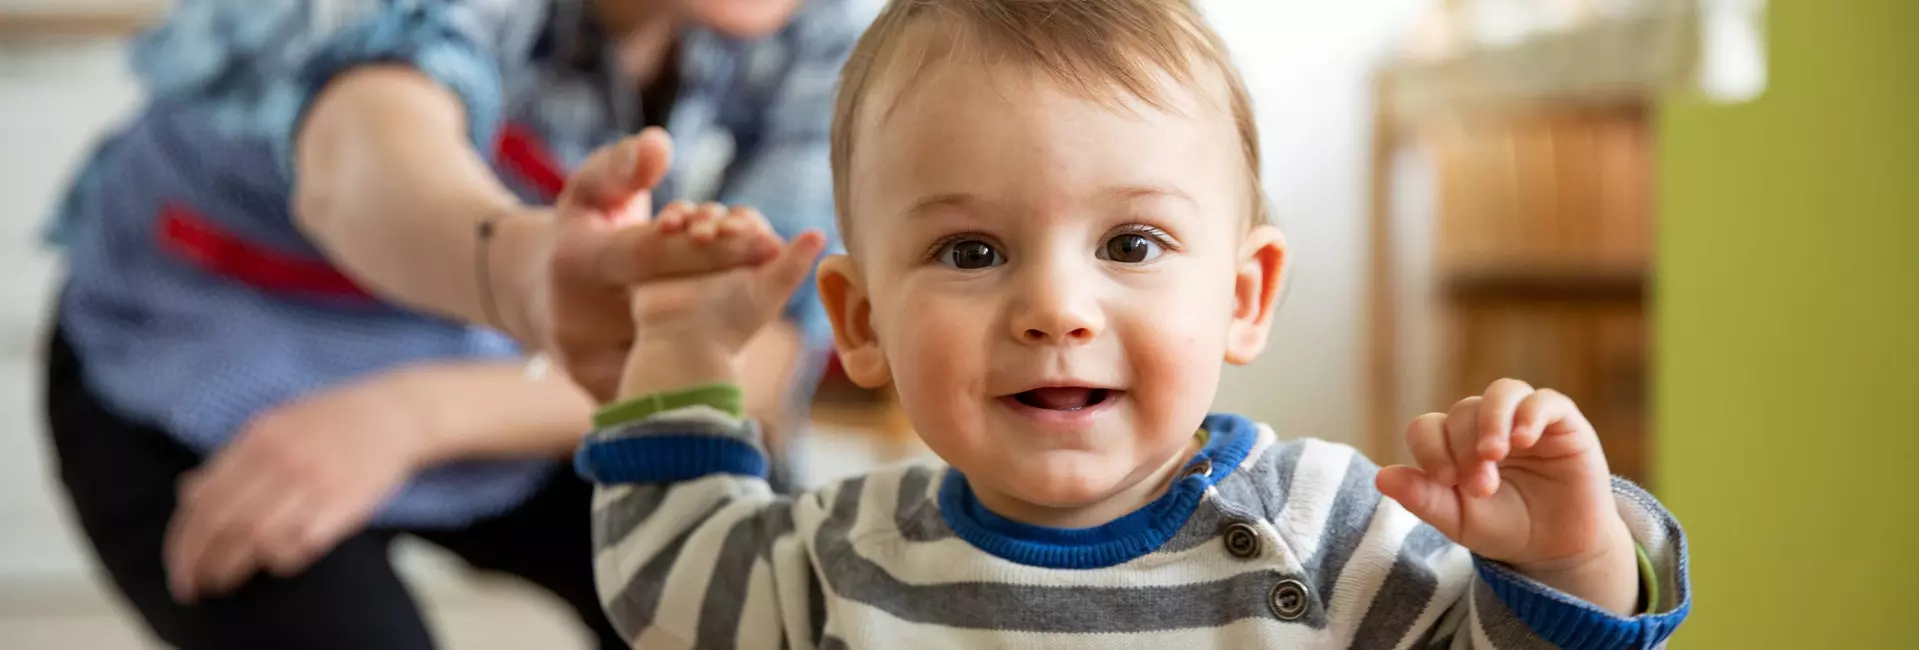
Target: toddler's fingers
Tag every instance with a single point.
(1435, 504)
(672, 219)
(1495, 425)
(781, 276)
(1462, 443)
(638, 253)
(700, 213)
(1546, 413)
(754, 217)
(739, 222)
(1426, 438)
(706, 222)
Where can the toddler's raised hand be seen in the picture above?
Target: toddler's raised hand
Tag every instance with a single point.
(1517, 475)
(691, 326)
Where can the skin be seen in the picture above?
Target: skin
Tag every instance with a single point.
(742, 19)
(985, 227)
(1048, 184)
(389, 189)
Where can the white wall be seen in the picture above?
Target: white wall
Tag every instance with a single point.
(54, 98)
(1307, 64)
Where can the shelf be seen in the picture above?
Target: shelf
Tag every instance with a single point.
(1544, 286)
(1711, 47)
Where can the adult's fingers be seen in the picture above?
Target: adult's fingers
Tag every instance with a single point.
(287, 537)
(616, 174)
(233, 555)
(213, 510)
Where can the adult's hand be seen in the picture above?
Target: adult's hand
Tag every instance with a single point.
(301, 477)
(600, 246)
(296, 481)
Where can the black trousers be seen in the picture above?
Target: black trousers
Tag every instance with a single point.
(121, 478)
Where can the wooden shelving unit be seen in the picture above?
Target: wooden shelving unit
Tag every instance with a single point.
(1541, 250)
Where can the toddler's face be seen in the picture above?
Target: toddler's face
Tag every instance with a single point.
(1050, 283)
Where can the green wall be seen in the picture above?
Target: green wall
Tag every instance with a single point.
(1788, 337)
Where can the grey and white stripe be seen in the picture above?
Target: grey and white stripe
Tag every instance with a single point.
(722, 562)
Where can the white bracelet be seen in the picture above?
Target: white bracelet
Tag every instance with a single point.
(537, 367)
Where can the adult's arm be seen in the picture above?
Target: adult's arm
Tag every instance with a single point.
(389, 183)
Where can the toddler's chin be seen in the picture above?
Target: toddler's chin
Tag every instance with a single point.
(1066, 485)
(1064, 497)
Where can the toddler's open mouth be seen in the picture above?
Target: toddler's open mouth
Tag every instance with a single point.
(1066, 398)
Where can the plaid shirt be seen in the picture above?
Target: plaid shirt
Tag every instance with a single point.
(166, 341)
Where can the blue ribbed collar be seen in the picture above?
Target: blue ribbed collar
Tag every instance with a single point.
(1229, 439)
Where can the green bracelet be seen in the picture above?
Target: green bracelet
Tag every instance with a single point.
(725, 396)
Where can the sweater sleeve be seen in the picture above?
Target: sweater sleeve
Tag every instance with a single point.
(1551, 618)
(692, 549)
(1394, 581)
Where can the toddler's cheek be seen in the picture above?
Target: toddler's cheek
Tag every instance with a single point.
(1176, 370)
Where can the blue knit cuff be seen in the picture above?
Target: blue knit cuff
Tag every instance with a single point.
(1571, 623)
(672, 436)
(666, 459)
(423, 37)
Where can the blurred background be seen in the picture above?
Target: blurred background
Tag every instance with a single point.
(1693, 216)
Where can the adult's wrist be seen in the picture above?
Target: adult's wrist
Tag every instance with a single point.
(517, 256)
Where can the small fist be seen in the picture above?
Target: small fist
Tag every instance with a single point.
(694, 320)
(1516, 475)
(708, 294)
(601, 241)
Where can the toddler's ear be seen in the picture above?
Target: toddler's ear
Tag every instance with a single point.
(1256, 293)
(843, 293)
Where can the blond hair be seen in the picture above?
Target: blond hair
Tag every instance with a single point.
(1093, 49)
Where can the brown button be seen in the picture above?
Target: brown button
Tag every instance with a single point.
(1202, 468)
(1288, 599)
(1242, 540)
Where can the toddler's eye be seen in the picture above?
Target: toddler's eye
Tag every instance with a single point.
(971, 254)
(1129, 248)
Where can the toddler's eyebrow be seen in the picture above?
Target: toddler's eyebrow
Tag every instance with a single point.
(1130, 193)
(948, 199)
(1114, 194)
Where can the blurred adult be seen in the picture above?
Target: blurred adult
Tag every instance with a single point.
(303, 281)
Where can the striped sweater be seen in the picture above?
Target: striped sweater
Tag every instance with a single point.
(1259, 544)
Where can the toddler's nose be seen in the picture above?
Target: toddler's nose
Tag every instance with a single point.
(1053, 314)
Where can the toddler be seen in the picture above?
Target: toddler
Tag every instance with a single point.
(1055, 236)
